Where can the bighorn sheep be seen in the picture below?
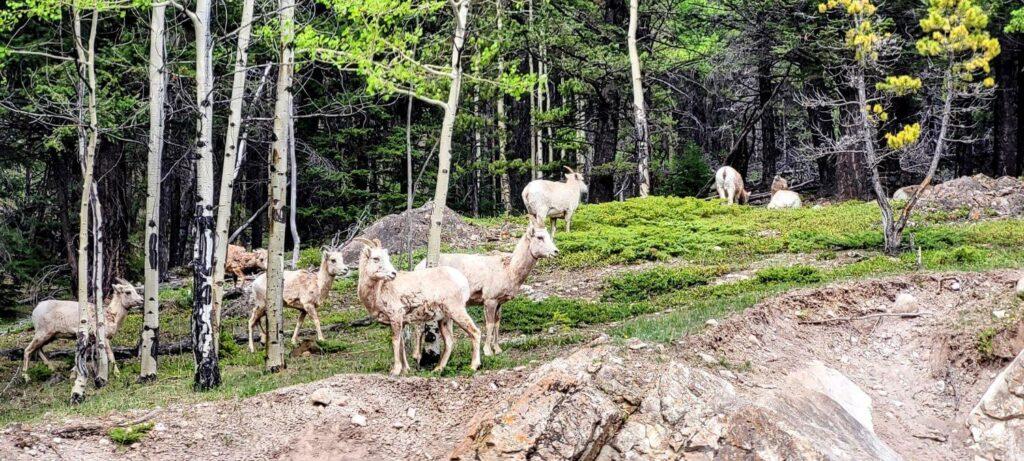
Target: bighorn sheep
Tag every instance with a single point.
(304, 291)
(399, 298)
(54, 319)
(729, 183)
(784, 199)
(779, 183)
(495, 279)
(905, 192)
(550, 199)
(238, 261)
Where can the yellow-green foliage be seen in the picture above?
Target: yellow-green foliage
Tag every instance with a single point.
(131, 434)
(955, 30)
(904, 138)
(863, 37)
(899, 85)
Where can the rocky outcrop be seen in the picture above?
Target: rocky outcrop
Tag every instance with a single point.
(997, 422)
(981, 194)
(593, 405)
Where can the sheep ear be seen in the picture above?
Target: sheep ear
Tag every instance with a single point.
(377, 242)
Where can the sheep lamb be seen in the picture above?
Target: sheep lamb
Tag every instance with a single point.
(550, 199)
(784, 199)
(54, 319)
(238, 262)
(495, 279)
(729, 184)
(779, 183)
(399, 298)
(304, 291)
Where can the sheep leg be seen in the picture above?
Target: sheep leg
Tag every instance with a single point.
(465, 322)
(568, 221)
(554, 226)
(397, 344)
(730, 196)
(490, 332)
(316, 322)
(46, 360)
(295, 335)
(111, 359)
(449, 344)
(417, 342)
(32, 346)
(256, 315)
(497, 326)
(721, 192)
(405, 359)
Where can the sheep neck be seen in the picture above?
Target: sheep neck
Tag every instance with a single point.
(521, 262)
(324, 279)
(118, 311)
(369, 290)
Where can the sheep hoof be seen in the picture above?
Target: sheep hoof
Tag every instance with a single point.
(497, 349)
(395, 371)
(474, 365)
(487, 351)
(437, 369)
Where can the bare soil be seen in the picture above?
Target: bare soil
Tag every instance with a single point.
(923, 372)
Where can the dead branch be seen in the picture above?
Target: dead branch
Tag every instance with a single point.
(902, 315)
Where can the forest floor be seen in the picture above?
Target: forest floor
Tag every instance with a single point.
(728, 288)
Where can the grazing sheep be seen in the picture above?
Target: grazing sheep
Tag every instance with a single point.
(399, 298)
(779, 183)
(54, 319)
(238, 261)
(729, 183)
(304, 291)
(904, 193)
(495, 279)
(550, 199)
(784, 199)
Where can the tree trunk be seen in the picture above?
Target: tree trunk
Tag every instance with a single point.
(853, 171)
(233, 158)
(606, 139)
(506, 187)
(278, 183)
(769, 149)
(1008, 134)
(207, 375)
(477, 157)
(85, 348)
(432, 345)
(293, 194)
(643, 146)
(410, 193)
(151, 294)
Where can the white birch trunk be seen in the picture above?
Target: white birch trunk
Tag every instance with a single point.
(100, 313)
(278, 184)
(643, 146)
(431, 349)
(233, 157)
(157, 97)
(506, 188)
(207, 375)
(293, 193)
(85, 348)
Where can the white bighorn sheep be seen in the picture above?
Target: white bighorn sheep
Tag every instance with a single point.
(238, 261)
(304, 291)
(399, 298)
(779, 183)
(729, 183)
(495, 279)
(784, 199)
(550, 199)
(54, 319)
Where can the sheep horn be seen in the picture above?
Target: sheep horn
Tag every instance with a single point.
(569, 169)
(121, 281)
(365, 241)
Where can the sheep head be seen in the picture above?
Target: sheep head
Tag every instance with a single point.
(571, 176)
(261, 258)
(335, 263)
(126, 291)
(374, 261)
(541, 243)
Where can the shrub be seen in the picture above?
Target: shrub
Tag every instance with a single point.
(640, 286)
(688, 174)
(523, 315)
(39, 372)
(960, 255)
(791, 274)
(131, 434)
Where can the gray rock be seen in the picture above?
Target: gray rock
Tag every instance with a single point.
(997, 421)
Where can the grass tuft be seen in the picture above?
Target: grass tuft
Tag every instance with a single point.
(131, 434)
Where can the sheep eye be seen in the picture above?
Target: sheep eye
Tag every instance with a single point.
(333, 260)
(376, 259)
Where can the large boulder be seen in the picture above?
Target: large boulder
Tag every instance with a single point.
(1001, 196)
(411, 227)
(997, 421)
(593, 405)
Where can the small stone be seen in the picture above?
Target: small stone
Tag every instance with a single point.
(359, 420)
(708, 359)
(637, 344)
(494, 387)
(1020, 288)
(411, 413)
(716, 248)
(135, 445)
(955, 286)
(57, 440)
(711, 323)
(999, 313)
(397, 424)
(455, 384)
(727, 374)
(602, 339)
(159, 427)
(322, 397)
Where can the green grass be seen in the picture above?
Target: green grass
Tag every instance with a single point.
(129, 435)
(703, 239)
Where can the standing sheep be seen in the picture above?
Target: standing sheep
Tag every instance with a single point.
(550, 199)
(304, 291)
(238, 261)
(53, 319)
(784, 199)
(399, 298)
(729, 183)
(495, 279)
